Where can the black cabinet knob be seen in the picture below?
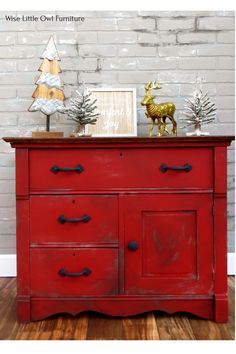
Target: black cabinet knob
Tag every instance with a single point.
(132, 246)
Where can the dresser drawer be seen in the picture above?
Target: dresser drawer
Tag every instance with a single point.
(73, 218)
(72, 272)
(86, 169)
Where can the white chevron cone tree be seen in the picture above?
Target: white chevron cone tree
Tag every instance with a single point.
(48, 95)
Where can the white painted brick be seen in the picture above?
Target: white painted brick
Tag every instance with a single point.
(7, 38)
(7, 92)
(100, 24)
(7, 119)
(7, 173)
(225, 102)
(225, 63)
(136, 77)
(231, 186)
(230, 196)
(231, 223)
(33, 38)
(7, 200)
(79, 64)
(215, 23)
(7, 214)
(106, 78)
(216, 49)
(25, 91)
(117, 37)
(225, 89)
(118, 64)
(65, 50)
(136, 24)
(29, 119)
(197, 63)
(8, 227)
(69, 77)
(231, 241)
(196, 37)
(223, 129)
(143, 129)
(175, 24)
(230, 209)
(226, 37)
(66, 38)
(86, 37)
(97, 51)
(156, 64)
(11, 105)
(29, 64)
(188, 89)
(17, 52)
(176, 77)
(230, 155)
(156, 38)
(7, 187)
(7, 65)
(231, 169)
(177, 50)
(8, 244)
(133, 50)
(217, 76)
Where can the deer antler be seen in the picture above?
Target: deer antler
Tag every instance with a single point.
(155, 86)
(148, 86)
(151, 86)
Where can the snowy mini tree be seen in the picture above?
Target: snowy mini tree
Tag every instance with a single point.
(48, 95)
(82, 110)
(199, 110)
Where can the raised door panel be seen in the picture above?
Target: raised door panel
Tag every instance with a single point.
(174, 240)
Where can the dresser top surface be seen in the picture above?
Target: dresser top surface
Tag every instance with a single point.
(129, 141)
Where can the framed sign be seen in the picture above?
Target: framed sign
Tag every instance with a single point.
(117, 109)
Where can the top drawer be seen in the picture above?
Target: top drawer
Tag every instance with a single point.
(97, 169)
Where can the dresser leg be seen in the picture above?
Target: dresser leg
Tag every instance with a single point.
(23, 310)
(221, 308)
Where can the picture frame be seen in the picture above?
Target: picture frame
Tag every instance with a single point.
(118, 113)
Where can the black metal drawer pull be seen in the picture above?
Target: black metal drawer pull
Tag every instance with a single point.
(187, 168)
(64, 273)
(62, 219)
(78, 169)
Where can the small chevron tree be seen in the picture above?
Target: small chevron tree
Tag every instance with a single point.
(48, 95)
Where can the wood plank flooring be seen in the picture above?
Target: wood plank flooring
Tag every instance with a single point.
(93, 326)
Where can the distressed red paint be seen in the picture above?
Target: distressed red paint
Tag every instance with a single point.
(176, 220)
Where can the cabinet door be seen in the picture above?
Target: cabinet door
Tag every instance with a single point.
(168, 244)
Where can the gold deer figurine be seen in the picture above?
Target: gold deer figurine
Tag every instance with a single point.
(159, 111)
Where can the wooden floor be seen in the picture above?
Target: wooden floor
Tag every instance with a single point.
(151, 326)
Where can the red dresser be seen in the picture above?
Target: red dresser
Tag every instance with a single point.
(121, 225)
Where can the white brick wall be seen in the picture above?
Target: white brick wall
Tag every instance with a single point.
(119, 49)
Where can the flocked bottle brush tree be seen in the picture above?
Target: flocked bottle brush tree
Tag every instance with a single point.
(48, 95)
(82, 110)
(199, 110)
